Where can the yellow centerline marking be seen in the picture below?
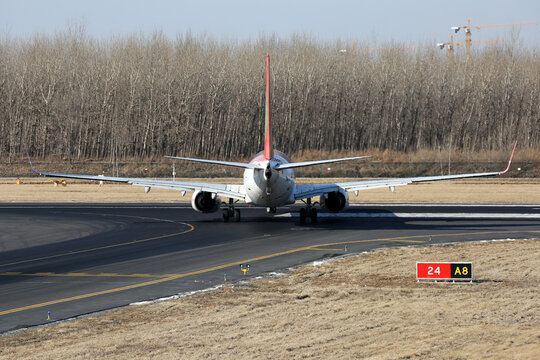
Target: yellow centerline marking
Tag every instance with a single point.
(14, 273)
(328, 249)
(83, 296)
(191, 228)
(218, 267)
(128, 216)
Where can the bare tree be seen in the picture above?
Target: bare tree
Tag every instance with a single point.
(72, 97)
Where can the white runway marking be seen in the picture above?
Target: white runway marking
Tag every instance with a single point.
(424, 215)
(97, 206)
(532, 206)
(187, 206)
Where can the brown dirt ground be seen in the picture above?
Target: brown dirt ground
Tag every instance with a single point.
(492, 190)
(366, 306)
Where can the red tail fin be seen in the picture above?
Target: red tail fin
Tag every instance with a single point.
(268, 150)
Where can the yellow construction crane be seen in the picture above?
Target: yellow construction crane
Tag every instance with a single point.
(450, 45)
(467, 28)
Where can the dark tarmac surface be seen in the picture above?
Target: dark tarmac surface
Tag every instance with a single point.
(74, 259)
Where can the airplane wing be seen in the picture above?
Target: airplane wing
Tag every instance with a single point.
(374, 184)
(225, 190)
(305, 191)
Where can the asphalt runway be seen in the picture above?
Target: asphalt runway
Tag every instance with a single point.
(75, 259)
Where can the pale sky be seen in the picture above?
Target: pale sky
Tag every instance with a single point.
(413, 22)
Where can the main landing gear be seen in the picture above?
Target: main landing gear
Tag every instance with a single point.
(308, 211)
(231, 212)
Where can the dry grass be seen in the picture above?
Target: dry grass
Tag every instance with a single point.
(493, 190)
(368, 306)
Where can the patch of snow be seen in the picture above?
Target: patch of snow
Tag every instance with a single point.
(177, 296)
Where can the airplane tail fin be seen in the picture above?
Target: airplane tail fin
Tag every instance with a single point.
(268, 149)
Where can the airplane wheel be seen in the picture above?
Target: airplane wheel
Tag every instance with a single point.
(237, 215)
(303, 214)
(225, 215)
(313, 216)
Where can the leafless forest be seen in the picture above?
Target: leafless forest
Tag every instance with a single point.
(75, 98)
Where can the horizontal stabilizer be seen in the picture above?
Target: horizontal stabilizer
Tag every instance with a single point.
(316, 162)
(218, 162)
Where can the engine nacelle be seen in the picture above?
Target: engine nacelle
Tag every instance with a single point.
(335, 201)
(205, 202)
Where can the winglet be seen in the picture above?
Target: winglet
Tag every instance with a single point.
(509, 161)
(268, 150)
(30, 161)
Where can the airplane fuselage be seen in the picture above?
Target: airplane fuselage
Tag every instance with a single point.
(269, 188)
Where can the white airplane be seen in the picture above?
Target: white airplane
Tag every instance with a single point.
(269, 181)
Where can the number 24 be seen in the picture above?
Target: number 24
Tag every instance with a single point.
(432, 272)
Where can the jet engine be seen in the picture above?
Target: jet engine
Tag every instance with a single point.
(335, 201)
(205, 202)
